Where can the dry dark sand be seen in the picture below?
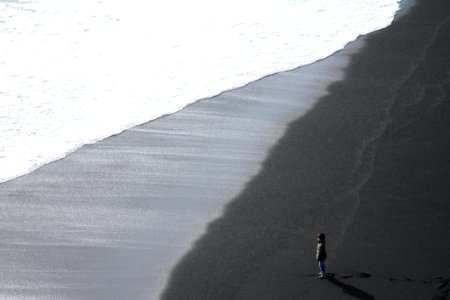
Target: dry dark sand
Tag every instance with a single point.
(369, 165)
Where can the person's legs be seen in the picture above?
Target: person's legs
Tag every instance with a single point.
(322, 267)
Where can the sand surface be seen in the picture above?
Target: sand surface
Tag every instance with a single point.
(223, 199)
(368, 165)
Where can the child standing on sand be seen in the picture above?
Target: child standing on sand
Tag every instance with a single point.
(321, 255)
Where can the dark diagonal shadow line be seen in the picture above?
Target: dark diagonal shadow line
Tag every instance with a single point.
(351, 290)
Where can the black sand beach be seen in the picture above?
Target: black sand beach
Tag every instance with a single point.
(368, 165)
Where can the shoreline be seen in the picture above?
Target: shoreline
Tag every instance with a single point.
(368, 165)
(13, 165)
(111, 220)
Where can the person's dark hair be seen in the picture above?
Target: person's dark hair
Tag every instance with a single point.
(321, 236)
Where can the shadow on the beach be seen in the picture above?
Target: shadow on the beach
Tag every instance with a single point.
(351, 290)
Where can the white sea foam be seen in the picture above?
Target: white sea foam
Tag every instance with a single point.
(74, 72)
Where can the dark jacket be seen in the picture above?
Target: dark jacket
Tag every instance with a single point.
(321, 253)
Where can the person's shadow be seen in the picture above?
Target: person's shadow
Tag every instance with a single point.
(351, 290)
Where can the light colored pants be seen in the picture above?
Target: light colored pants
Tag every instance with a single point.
(322, 267)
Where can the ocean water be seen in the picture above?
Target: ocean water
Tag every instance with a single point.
(75, 72)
